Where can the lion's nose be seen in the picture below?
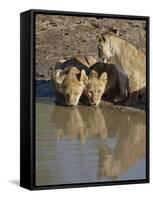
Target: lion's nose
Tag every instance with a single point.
(93, 104)
(71, 104)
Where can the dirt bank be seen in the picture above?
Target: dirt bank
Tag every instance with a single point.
(63, 37)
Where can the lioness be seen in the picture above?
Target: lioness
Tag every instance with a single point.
(95, 87)
(70, 83)
(127, 56)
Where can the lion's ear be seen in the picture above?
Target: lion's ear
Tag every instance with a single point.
(115, 31)
(100, 38)
(103, 77)
(74, 70)
(83, 77)
(59, 76)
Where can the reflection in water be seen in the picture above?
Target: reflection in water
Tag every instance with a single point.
(79, 123)
(129, 149)
(87, 144)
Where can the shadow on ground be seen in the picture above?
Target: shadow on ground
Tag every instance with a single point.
(15, 182)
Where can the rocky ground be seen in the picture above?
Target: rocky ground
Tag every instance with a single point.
(66, 36)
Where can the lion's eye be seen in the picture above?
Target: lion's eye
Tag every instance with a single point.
(98, 91)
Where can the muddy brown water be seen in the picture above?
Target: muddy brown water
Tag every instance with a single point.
(86, 144)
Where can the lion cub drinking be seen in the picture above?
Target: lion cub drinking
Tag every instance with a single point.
(74, 78)
(90, 82)
(117, 87)
(70, 83)
(95, 87)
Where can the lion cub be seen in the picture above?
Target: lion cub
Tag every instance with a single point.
(127, 57)
(71, 83)
(95, 87)
(117, 88)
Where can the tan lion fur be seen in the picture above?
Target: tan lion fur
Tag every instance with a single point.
(112, 48)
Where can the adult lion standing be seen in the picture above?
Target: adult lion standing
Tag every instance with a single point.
(133, 61)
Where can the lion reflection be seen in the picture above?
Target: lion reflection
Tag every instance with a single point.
(84, 123)
(79, 123)
(130, 148)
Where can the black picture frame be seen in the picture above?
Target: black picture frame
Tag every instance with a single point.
(27, 99)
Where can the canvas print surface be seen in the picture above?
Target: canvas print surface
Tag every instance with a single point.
(90, 84)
